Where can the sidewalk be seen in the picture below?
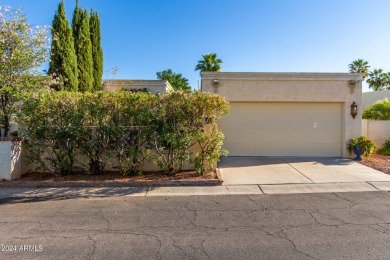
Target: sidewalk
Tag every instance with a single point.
(194, 190)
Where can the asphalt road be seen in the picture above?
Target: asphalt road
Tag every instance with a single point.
(319, 226)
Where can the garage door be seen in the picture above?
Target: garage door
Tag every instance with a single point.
(283, 129)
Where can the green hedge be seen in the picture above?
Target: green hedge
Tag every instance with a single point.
(62, 127)
(378, 111)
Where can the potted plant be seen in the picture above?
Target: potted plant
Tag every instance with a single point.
(361, 146)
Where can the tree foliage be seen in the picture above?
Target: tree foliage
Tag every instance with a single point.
(378, 80)
(63, 59)
(84, 54)
(97, 51)
(76, 23)
(177, 81)
(210, 62)
(22, 51)
(359, 66)
(378, 111)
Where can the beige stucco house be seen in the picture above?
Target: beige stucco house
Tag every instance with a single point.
(153, 86)
(288, 114)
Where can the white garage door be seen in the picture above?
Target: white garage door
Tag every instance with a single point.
(283, 129)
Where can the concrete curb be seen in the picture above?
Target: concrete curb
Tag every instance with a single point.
(95, 184)
(7, 194)
(317, 188)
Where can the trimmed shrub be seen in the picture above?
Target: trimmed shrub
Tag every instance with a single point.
(385, 150)
(378, 111)
(51, 123)
(132, 127)
(133, 142)
(99, 128)
(365, 144)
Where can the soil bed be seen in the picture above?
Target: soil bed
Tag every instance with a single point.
(115, 179)
(378, 162)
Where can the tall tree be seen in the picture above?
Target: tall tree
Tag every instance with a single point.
(76, 22)
(176, 80)
(209, 63)
(378, 80)
(63, 60)
(23, 49)
(97, 51)
(84, 54)
(359, 66)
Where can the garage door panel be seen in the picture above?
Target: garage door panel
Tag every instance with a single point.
(261, 136)
(260, 123)
(276, 109)
(284, 129)
(272, 149)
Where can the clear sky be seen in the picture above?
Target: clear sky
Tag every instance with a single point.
(142, 37)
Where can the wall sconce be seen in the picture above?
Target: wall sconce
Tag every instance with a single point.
(354, 110)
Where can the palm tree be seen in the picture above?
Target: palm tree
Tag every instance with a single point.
(378, 80)
(209, 63)
(359, 66)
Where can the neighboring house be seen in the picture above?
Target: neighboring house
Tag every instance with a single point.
(288, 114)
(153, 86)
(370, 98)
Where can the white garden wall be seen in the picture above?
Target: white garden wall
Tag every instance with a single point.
(10, 160)
(377, 130)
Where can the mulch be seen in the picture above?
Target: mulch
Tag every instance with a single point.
(113, 179)
(378, 162)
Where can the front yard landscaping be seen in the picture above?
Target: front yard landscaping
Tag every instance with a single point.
(113, 179)
(378, 162)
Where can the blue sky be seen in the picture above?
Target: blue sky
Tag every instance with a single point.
(141, 37)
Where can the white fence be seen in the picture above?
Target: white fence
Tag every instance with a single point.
(377, 130)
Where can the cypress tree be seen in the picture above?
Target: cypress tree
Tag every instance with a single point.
(97, 51)
(76, 22)
(63, 61)
(84, 54)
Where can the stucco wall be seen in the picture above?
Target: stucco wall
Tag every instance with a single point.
(293, 87)
(111, 165)
(153, 86)
(370, 98)
(377, 130)
(10, 160)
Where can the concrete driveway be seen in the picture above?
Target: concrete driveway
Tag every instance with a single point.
(266, 170)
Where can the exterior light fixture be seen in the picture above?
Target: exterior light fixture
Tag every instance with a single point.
(354, 110)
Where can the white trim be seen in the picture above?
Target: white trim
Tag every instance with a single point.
(291, 76)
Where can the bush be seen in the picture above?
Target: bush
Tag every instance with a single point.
(62, 127)
(180, 124)
(51, 124)
(133, 142)
(365, 144)
(99, 128)
(378, 111)
(385, 150)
